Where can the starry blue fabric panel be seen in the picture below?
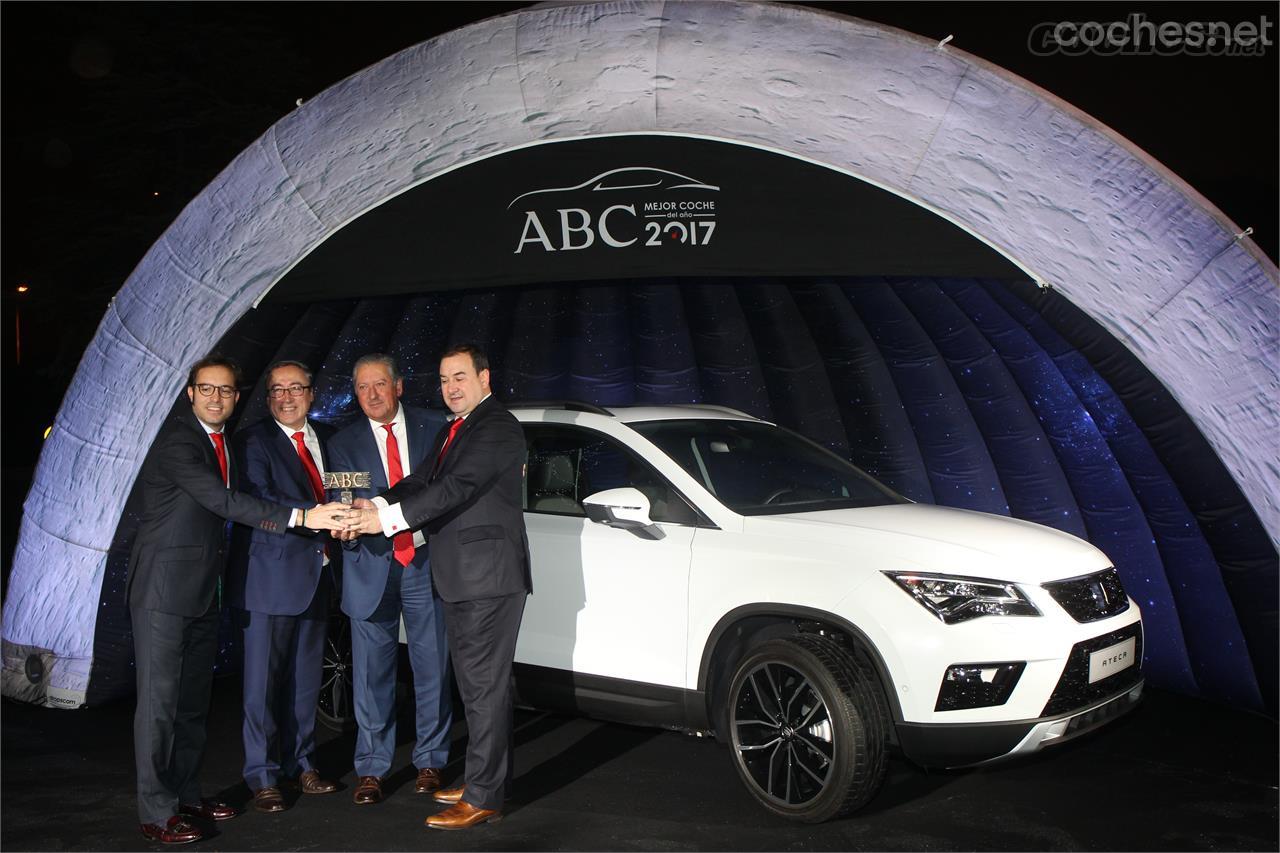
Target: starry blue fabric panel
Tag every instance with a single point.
(880, 438)
(1215, 641)
(310, 337)
(666, 367)
(729, 369)
(601, 367)
(1111, 514)
(484, 318)
(369, 328)
(793, 369)
(417, 343)
(1029, 471)
(960, 469)
(537, 353)
(1246, 559)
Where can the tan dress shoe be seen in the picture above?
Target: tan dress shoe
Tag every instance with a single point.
(449, 796)
(268, 800)
(462, 815)
(311, 783)
(429, 781)
(369, 791)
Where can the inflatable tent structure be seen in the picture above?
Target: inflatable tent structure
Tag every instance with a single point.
(965, 285)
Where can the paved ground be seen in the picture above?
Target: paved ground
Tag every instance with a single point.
(1177, 774)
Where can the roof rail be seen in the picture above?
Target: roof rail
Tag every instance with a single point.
(567, 405)
(724, 409)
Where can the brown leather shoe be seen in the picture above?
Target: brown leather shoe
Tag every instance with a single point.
(462, 815)
(173, 831)
(449, 795)
(268, 800)
(369, 791)
(311, 783)
(208, 809)
(429, 781)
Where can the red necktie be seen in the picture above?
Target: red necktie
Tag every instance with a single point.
(402, 543)
(448, 440)
(313, 473)
(308, 463)
(220, 447)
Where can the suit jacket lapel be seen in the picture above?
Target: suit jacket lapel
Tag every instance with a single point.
(369, 450)
(283, 445)
(211, 455)
(467, 425)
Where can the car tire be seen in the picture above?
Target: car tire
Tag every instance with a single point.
(807, 727)
(335, 709)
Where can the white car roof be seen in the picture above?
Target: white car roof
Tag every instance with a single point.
(636, 414)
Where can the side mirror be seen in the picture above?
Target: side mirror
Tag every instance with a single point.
(625, 509)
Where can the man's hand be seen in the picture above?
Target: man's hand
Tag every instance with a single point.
(330, 516)
(344, 535)
(363, 519)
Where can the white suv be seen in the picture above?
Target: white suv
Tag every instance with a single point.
(697, 569)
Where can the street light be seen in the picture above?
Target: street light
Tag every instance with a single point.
(17, 321)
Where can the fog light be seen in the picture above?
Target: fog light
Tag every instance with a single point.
(978, 685)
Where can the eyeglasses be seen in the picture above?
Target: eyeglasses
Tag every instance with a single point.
(206, 390)
(278, 391)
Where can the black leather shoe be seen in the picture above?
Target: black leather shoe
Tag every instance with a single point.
(173, 831)
(208, 809)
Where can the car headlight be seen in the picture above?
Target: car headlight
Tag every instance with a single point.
(955, 599)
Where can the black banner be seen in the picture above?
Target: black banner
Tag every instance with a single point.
(634, 207)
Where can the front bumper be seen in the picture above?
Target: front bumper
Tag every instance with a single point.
(966, 744)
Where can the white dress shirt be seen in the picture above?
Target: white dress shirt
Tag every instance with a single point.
(390, 516)
(295, 515)
(312, 441)
(402, 442)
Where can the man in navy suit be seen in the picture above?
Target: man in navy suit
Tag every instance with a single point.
(383, 578)
(282, 585)
(469, 497)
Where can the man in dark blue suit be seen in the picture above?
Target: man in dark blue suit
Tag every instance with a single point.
(384, 578)
(283, 587)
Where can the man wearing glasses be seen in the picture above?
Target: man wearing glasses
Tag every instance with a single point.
(186, 497)
(282, 586)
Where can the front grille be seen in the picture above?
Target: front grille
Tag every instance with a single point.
(1074, 690)
(1092, 597)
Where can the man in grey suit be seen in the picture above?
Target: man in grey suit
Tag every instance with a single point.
(468, 498)
(177, 559)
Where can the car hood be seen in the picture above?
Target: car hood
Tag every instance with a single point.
(921, 537)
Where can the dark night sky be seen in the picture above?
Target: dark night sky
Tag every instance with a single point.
(115, 115)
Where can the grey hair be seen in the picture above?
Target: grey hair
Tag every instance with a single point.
(382, 358)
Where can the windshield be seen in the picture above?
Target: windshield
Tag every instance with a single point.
(757, 469)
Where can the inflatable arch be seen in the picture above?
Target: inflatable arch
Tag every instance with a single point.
(1075, 206)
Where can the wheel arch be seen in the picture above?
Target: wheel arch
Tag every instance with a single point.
(743, 627)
